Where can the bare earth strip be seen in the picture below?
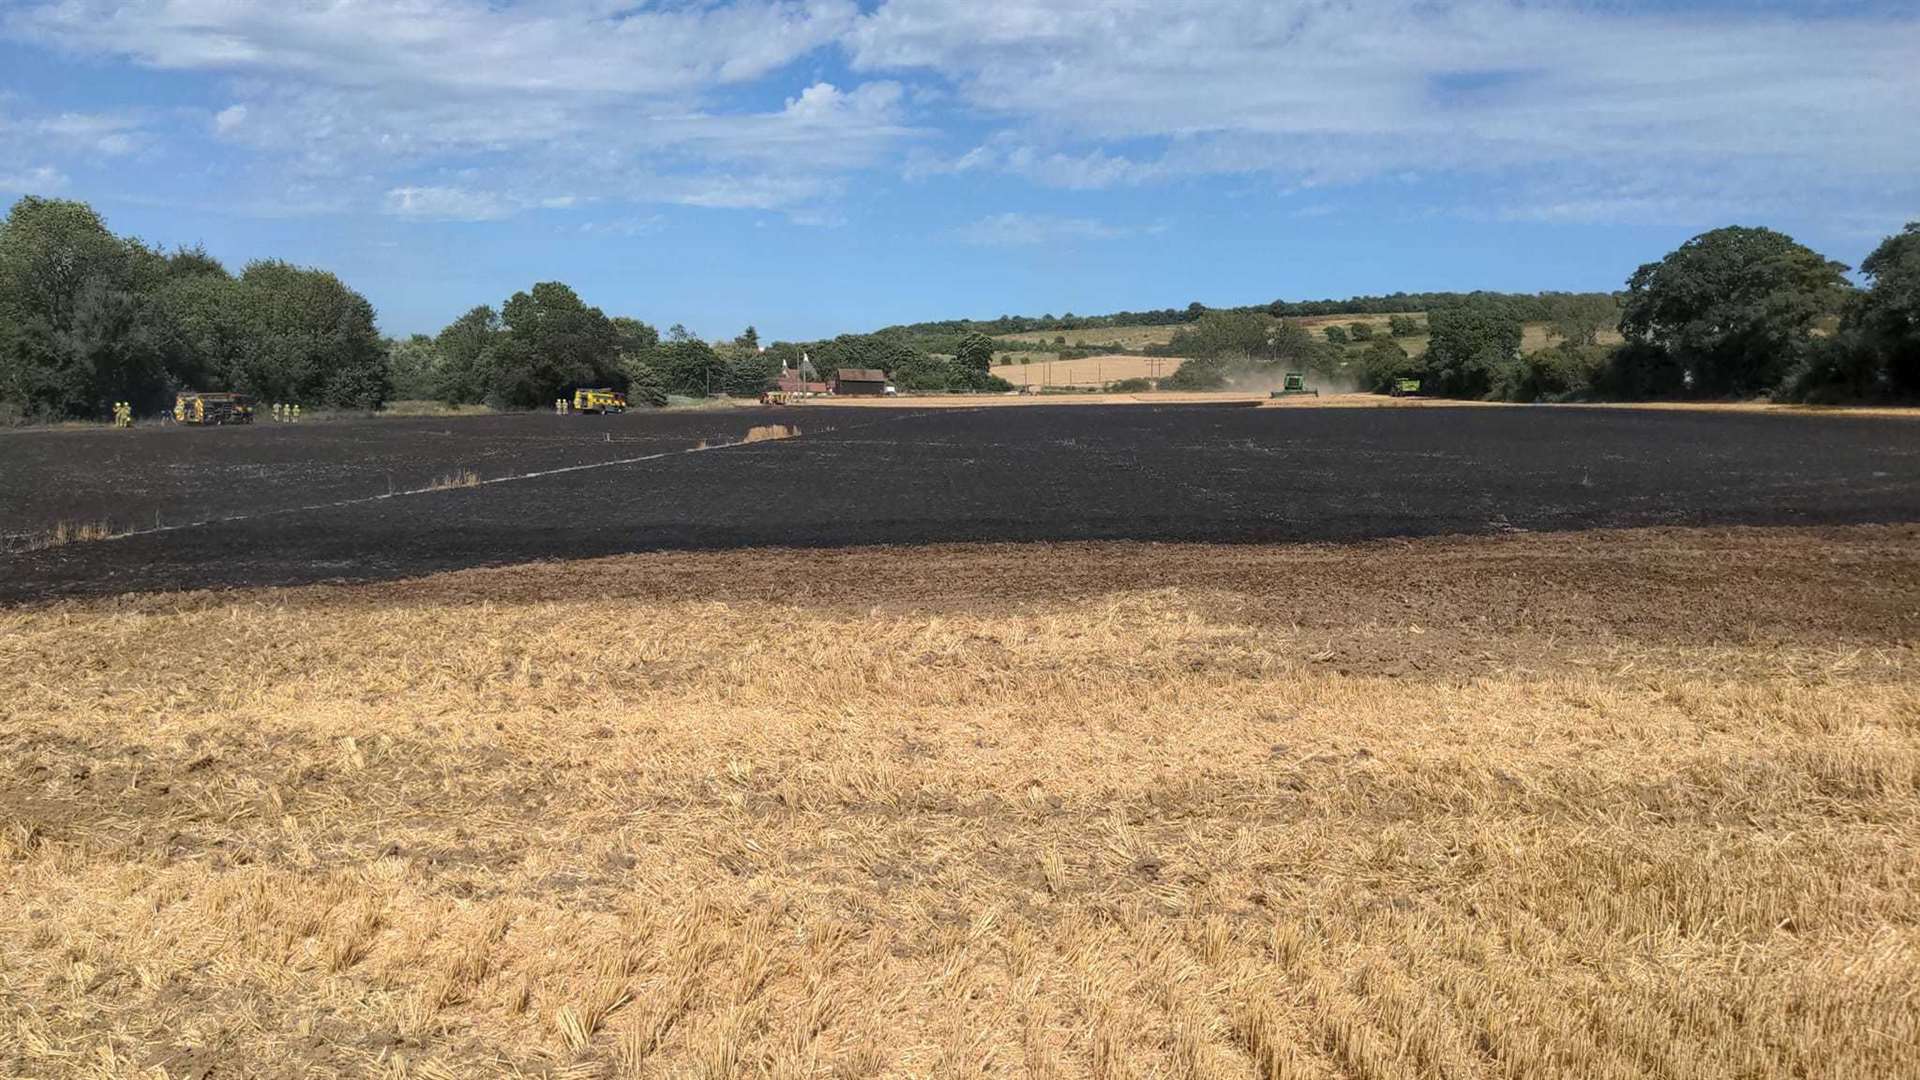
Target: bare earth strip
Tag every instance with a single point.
(1599, 805)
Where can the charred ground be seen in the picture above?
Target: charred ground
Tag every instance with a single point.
(876, 476)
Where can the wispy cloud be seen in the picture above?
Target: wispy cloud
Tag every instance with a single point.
(33, 181)
(1014, 229)
(1721, 104)
(446, 204)
(382, 98)
(1650, 111)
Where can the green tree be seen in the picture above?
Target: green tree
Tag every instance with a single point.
(414, 367)
(784, 354)
(309, 339)
(1887, 316)
(193, 261)
(50, 251)
(1197, 375)
(633, 339)
(1403, 326)
(882, 352)
(645, 386)
(555, 343)
(748, 339)
(748, 373)
(1383, 363)
(1336, 335)
(974, 359)
(64, 281)
(1578, 318)
(1734, 308)
(1235, 335)
(690, 367)
(466, 349)
(1360, 331)
(1467, 349)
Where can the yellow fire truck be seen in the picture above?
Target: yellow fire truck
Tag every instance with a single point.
(602, 400)
(196, 408)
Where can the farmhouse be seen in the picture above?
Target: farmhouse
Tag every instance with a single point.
(852, 382)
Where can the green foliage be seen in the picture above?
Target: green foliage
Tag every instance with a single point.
(1360, 331)
(1565, 372)
(192, 262)
(784, 354)
(749, 372)
(92, 318)
(1130, 386)
(1735, 308)
(1217, 335)
(1336, 335)
(1383, 363)
(1639, 371)
(974, 357)
(1885, 321)
(308, 338)
(690, 367)
(644, 385)
(1197, 375)
(554, 344)
(466, 349)
(414, 367)
(633, 339)
(1403, 326)
(1578, 318)
(1467, 348)
(884, 351)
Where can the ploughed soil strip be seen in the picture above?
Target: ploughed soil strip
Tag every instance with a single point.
(1623, 804)
(1162, 473)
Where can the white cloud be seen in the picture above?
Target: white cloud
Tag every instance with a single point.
(588, 46)
(605, 100)
(1726, 105)
(1016, 229)
(446, 204)
(109, 135)
(34, 181)
(1561, 109)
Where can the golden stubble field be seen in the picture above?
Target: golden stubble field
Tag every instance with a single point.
(1091, 371)
(1605, 805)
(1085, 371)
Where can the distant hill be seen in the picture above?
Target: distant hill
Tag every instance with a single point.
(1526, 307)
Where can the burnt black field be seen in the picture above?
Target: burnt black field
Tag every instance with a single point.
(902, 476)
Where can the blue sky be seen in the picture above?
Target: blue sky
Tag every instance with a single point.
(816, 166)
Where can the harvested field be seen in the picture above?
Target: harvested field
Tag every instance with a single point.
(1087, 371)
(1061, 473)
(1573, 805)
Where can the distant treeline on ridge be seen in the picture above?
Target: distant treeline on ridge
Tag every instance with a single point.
(88, 318)
(1527, 307)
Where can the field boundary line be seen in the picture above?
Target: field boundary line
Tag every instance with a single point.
(433, 488)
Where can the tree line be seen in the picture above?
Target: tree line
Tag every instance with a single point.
(88, 318)
(1737, 312)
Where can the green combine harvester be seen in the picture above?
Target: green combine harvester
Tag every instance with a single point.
(1406, 388)
(1294, 385)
